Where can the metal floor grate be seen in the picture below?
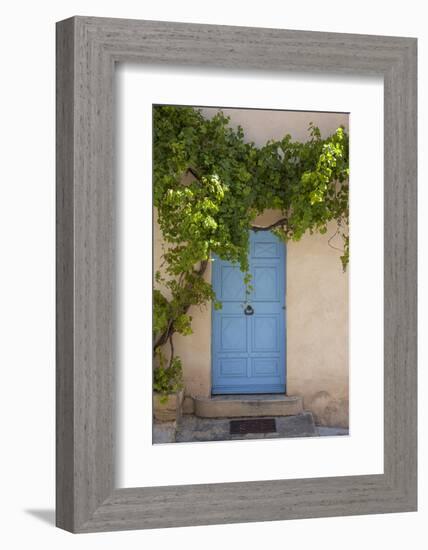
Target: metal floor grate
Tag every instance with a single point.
(252, 426)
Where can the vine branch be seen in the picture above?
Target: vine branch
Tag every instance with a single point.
(279, 223)
(169, 331)
(171, 345)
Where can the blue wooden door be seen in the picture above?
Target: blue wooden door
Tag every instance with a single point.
(248, 350)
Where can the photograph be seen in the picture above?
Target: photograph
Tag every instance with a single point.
(250, 273)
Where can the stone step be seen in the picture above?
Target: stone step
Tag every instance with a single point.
(230, 406)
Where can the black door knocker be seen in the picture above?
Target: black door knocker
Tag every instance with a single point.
(249, 310)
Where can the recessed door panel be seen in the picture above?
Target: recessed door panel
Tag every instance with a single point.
(265, 282)
(232, 286)
(233, 333)
(265, 367)
(265, 333)
(266, 250)
(233, 367)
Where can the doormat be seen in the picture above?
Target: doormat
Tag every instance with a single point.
(253, 426)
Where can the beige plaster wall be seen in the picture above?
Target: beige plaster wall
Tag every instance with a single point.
(317, 294)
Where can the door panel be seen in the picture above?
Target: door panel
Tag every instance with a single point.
(265, 283)
(233, 333)
(265, 367)
(265, 334)
(248, 351)
(232, 286)
(233, 367)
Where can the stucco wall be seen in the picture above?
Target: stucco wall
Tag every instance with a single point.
(316, 294)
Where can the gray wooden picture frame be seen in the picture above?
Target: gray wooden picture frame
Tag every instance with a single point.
(87, 50)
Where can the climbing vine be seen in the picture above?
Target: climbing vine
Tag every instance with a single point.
(209, 186)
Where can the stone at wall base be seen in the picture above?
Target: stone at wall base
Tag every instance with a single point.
(188, 405)
(169, 410)
(164, 432)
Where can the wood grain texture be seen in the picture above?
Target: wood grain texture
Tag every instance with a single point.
(64, 277)
(87, 49)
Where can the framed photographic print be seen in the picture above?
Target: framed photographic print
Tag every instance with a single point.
(236, 274)
(253, 353)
